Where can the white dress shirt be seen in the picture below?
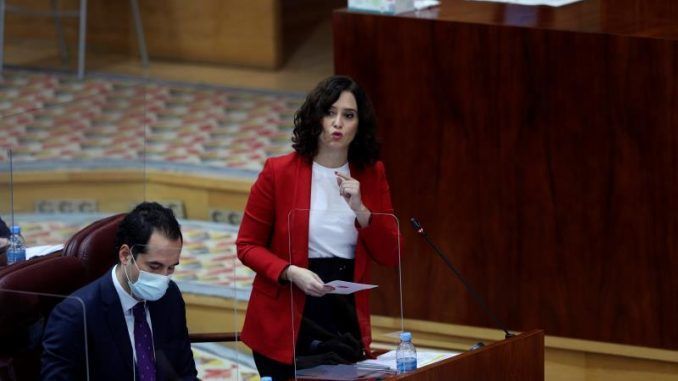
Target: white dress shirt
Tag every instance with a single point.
(331, 224)
(128, 302)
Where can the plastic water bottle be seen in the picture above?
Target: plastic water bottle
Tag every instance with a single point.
(266, 378)
(406, 354)
(16, 252)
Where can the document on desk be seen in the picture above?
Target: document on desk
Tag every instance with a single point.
(344, 288)
(341, 372)
(37, 251)
(388, 359)
(551, 3)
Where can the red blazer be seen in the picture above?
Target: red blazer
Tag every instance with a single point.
(284, 185)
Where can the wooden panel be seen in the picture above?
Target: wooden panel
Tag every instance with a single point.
(215, 31)
(109, 26)
(261, 33)
(301, 17)
(518, 358)
(542, 160)
(122, 189)
(218, 31)
(113, 191)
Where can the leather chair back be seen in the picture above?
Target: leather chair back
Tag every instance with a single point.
(93, 246)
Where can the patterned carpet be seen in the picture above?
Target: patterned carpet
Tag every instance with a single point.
(55, 120)
(219, 362)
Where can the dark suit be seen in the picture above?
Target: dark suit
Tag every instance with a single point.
(108, 344)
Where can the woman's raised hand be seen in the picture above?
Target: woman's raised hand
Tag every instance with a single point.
(349, 189)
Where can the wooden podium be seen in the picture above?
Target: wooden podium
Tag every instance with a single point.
(520, 358)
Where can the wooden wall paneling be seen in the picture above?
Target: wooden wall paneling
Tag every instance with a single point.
(300, 18)
(215, 31)
(388, 76)
(543, 162)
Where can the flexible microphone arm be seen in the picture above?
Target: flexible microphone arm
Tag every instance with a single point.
(420, 230)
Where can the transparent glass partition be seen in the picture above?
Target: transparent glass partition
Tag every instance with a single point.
(43, 331)
(5, 203)
(78, 149)
(331, 252)
(217, 287)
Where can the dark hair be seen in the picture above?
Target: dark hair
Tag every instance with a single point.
(364, 149)
(136, 228)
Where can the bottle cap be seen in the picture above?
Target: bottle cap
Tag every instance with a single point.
(15, 229)
(266, 379)
(405, 336)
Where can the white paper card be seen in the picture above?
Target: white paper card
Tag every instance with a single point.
(37, 251)
(382, 6)
(388, 359)
(344, 288)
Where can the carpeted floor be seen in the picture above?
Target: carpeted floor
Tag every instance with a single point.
(53, 120)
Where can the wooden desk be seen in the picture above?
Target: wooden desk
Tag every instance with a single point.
(519, 358)
(539, 147)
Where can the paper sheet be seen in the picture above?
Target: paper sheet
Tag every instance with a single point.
(340, 372)
(37, 251)
(388, 359)
(423, 4)
(344, 288)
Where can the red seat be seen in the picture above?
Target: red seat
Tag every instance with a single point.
(25, 306)
(94, 246)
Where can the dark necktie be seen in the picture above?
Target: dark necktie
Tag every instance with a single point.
(143, 344)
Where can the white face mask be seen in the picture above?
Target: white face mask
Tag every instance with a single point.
(149, 286)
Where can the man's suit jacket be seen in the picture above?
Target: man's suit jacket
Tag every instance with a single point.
(108, 346)
(279, 201)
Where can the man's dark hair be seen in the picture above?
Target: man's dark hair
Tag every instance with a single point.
(364, 149)
(136, 228)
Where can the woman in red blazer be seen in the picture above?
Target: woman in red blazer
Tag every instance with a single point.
(335, 158)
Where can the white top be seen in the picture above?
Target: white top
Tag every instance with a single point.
(331, 225)
(128, 302)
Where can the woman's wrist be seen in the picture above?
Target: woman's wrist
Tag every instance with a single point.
(363, 216)
(284, 275)
(288, 274)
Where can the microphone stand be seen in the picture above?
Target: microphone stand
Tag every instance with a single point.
(420, 230)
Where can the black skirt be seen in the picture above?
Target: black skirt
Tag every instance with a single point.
(331, 316)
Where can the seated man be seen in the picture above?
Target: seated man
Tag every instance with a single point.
(135, 315)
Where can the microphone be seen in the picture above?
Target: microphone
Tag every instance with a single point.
(420, 230)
